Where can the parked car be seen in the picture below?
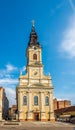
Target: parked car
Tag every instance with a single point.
(72, 120)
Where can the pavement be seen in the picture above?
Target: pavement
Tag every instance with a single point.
(37, 126)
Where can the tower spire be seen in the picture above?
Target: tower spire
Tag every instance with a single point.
(33, 40)
(33, 23)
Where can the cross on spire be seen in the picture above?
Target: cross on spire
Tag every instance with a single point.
(33, 22)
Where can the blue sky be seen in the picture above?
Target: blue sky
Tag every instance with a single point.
(55, 26)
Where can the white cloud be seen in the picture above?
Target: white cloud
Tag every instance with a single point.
(10, 67)
(67, 46)
(8, 81)
(11, 94)
(8, 70)
(61, 99)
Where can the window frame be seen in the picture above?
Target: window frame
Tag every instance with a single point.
(34, 56)
(46, 101)
(24, 100)
(35, 100)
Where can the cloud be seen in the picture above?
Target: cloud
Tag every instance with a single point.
(8, 71)
(8, 81)
(11, 94)
(72, 5)
(67, 46)
(10, 68)
(61, 99)
(9, 85)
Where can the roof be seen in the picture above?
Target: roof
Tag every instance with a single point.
(33, 40)
(65, 110)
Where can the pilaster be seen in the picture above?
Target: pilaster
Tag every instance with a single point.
(42, 112)
(20, 107)
(29, 106)
(52, 118)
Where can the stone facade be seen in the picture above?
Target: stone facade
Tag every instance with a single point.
(35, 90)
(4, 104)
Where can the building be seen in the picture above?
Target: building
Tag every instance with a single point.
(35, 90)
(4, 104)
(66, 114)
(12, 112)
(58, 104)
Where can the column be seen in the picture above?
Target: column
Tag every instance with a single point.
(43, 114)
(52, 118)
(20, 106)
(29, 106)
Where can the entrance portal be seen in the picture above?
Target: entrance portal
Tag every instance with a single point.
(36, 116)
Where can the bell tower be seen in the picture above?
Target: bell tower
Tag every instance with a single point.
(34, 56)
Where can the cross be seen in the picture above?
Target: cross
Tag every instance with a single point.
(33, 22)
(49, 74)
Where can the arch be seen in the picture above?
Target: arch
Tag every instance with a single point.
(35, 100)
(25, 100)
(35, 56)
(46, 100)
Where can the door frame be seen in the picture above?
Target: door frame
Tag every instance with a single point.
(36, 116)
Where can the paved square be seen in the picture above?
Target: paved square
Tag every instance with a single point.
(37, 126)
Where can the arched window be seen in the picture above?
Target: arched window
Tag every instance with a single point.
(25, 100)
(35, 100)
(46, 100)
(35, 56)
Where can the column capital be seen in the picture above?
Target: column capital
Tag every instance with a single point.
(41, 92)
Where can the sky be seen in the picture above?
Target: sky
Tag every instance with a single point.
(55, 26)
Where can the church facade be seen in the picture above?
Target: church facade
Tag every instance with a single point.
(34, 93)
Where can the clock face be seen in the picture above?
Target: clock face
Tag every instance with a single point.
(35, 73)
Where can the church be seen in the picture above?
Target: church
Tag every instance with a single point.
(34, 94)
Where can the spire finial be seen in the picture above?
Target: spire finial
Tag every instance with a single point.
(49, 74)
(20, 72)
(33, 22)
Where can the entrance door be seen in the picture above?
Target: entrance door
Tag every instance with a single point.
(36, 116)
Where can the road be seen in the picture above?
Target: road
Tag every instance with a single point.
(37, 126)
